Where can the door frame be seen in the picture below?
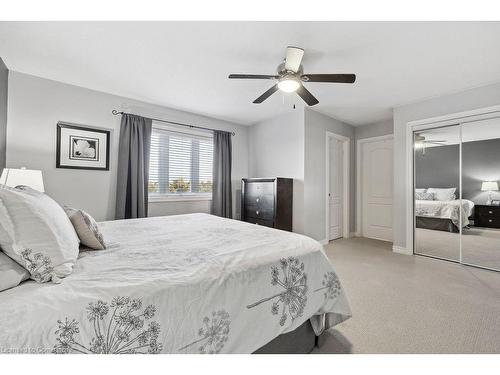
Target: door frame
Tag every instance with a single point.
(429, 123)
(346, 173)
(359, 177)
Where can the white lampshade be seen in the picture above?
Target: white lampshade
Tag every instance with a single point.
(28, 177)
(489, 186)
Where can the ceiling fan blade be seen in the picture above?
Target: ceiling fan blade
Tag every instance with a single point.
(252, 76)
(293, 58)
(266, 95)
(306, 96)
(334, 78)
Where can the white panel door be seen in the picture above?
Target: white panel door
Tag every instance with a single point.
(377, 180)
(335, 193)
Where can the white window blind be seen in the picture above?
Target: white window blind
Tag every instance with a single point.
(180, 163)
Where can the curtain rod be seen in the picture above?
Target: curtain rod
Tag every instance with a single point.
(115, 112)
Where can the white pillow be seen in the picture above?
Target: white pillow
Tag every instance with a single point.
(420, 190)
(36, 232)
(86, 228)
(443, 194)
(11, 273)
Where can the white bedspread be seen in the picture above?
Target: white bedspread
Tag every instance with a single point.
(180, 284)
(445, 210)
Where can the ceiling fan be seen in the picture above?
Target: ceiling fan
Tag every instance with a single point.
(291, 78)
(421, 142)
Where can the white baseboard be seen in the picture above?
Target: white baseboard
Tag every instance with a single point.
(401, 250)
(354, 234)
(324, 242)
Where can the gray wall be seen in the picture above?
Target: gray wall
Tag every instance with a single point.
(376, 129)
(294, 145)
(316, 126)
(4, 84)
(36, 105)
(439, 167)
(480, 162)
(276, 149)
(458, 102)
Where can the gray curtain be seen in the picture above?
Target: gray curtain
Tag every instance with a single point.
(133, 167)
(221, 192)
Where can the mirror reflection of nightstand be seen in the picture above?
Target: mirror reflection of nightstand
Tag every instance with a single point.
(487, 216)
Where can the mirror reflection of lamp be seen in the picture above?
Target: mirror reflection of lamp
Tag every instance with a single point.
(489, 186)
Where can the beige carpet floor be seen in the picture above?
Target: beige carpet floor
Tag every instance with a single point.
(412, 304)
(480, 246)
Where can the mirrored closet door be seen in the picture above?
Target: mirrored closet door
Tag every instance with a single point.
(480, 196)
(456, 193)
(437, 188)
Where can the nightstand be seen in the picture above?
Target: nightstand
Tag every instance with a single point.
(487, 216)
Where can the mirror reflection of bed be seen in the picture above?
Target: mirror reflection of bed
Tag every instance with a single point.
(443, 204)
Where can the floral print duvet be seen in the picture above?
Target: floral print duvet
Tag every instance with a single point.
(178, 284)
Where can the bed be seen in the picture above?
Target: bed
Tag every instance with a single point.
(179, 284)
(443, 215)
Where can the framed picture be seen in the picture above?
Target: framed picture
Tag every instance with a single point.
(81, 147)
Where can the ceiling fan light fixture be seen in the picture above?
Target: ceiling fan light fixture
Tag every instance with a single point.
(288, 84)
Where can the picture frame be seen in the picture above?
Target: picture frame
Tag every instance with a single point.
(82, 147)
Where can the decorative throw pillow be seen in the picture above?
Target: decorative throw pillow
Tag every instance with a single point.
(86, 228)
(424, 196)
(420, 190)
(11, 273)
(443, 194)
(36, 233)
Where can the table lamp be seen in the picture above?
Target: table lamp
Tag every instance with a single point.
(28, 177)
(489, 186)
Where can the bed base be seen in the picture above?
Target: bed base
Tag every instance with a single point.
(433, 223)
(302, 340)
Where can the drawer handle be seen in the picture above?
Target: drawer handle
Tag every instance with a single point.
(490, 220)
(257, 212)
(490, 212)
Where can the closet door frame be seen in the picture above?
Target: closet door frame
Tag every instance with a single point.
(430, 123)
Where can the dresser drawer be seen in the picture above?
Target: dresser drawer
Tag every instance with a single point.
(256, 211)
(257, 189)
(262, 200)
(490, 212)
(488, 222)
(266, 223)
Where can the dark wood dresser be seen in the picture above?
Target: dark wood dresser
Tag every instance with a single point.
(267, 201)
(487, 216)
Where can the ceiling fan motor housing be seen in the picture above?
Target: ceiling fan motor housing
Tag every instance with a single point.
(282, 72)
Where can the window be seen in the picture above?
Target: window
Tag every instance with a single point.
(180, 165)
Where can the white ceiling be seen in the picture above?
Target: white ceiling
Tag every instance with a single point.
(184, 65)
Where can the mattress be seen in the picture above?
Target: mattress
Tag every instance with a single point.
(179, 284)
(445, 210)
